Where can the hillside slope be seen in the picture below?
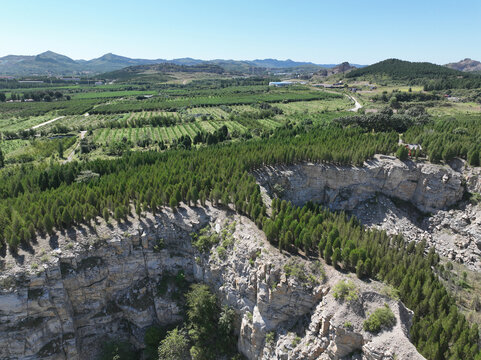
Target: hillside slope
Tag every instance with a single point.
(405, 70)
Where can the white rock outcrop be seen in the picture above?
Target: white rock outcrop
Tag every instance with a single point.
(427, 186)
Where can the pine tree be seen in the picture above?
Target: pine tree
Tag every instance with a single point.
(2, 159)
(106, 214)
(60, 149)
(360, 269)
(336, 257)
(48, 223)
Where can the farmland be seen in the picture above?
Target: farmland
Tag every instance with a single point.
(158, 115)
(142, 118)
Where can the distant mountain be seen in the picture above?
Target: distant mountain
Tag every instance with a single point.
(279, 64)
(44, 63)
(341, 68)
(54, 58)
(50, 63)
(466, 65)
(404, 70)
(110, 62)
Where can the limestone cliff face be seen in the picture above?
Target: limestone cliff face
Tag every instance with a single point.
(106, 285)
(107, 281)
(429, 187)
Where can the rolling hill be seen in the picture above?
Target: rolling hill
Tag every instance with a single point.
(160, 71)
(404, 70)
(431, 76)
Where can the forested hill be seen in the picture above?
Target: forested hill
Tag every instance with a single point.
(162, 68)
(405, 70)
(431, 76)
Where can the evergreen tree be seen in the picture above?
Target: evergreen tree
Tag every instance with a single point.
(60, 149)
(174, 346)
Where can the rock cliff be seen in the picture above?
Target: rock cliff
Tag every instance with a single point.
(428, 187)
(89, 284)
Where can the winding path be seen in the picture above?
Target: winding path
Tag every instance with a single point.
(357, 105)
(46, 122)
(72, 153)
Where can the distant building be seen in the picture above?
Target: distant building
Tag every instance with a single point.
(453, 98)
(331, 86)
(413, 149)
(31, 81)
(280, 83)
(97, 83)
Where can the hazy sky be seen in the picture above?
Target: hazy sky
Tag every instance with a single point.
(358, 31)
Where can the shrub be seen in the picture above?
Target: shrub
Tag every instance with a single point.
(221, 252)
(345, 290)
(380, 318)
(270, 337)
(348, 325)
(204, 240)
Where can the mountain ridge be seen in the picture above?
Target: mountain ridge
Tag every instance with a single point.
(51, 63)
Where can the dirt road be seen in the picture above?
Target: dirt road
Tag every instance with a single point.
(46, 122)
(72, 153)
(357, 105)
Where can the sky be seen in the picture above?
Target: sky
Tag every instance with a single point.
(324, 32)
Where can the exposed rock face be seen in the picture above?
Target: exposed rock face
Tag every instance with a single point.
(473, 180)
(454, 233)
(341, 68)
(107, 283)
(467, 65)
(429, 187)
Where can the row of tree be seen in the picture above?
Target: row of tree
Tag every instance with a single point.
(439, 330)
(39, 198)
(444, 139)
(386, 120)
(36, 96)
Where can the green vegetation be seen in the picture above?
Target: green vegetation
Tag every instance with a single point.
(444, 139)
(174, 346)
(199, 143)
(390, 259)
(345, 290)
(402, 153)
(41, 199)
(381, 318)
(160, 103)
(210, 329)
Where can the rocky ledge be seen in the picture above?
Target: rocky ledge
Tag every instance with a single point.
(421, 201)
(427, 186)
(78, 289)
